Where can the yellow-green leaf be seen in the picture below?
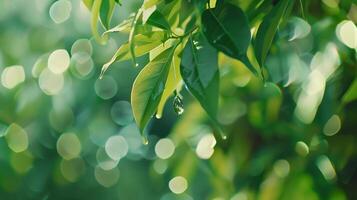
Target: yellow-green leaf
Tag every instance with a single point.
(149, 87)
(143, 44)
(174, 81)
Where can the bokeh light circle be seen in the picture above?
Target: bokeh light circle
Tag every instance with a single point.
(82, 46)
(121, 113)
(116, 147)
(17, 138)
(164, 148)
(68, 146)
(106, 178)
(205, 147)
(50, 83)
(104, 160)
(106, 87)
(178, 185)
(12, 76)
(58, 61)
(60, 11)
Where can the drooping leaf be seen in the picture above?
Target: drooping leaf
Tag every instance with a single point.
(227, 29)
(143, 44)
(149, 86)
(267, 30)
(101, 10)
(106, 12)
(173, 82)
(174, 79)
(199, 70)
(133, 33)
(94, 20)
(158, 20)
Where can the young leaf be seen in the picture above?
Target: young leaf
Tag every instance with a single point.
(96, 4)
(106, 12)
(143, 44)
(149, 86)
(173, 82)
(227, 29)
(158, 20)
(267, 30)
(101, 10)
(126, 25)
(199, 70)
(133, 33)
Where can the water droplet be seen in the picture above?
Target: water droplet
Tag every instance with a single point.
(224, 137)
(158, 116)
(178, 105)
(145, 140)
(136, 64)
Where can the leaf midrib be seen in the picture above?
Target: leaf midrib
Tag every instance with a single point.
(222, 26)
(157, 82)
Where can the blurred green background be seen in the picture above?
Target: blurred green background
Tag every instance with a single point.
(65, 134)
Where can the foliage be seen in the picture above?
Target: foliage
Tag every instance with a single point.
(258, 97)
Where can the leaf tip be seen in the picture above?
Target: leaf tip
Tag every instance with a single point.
(145, 140)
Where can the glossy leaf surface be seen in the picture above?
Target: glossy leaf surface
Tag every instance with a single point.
(199, 70)
(267, 31)
(227, 29)
(149, 87)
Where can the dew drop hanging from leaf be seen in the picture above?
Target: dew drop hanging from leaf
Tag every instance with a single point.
(178, 105)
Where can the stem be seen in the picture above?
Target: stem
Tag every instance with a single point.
(302, 9)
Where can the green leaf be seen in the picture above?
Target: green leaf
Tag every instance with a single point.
(158, 20)
(88, 3)
(161, 48)
(267, 30)
(351, 93)
(126, 25)
(173, 83)
(227, 29)
(133, 33)
(94, 19)
(143, 44)
(101, 10)
(149, 86)
(148, 12)
(199, 70)
(106, 12)
(149, 3)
